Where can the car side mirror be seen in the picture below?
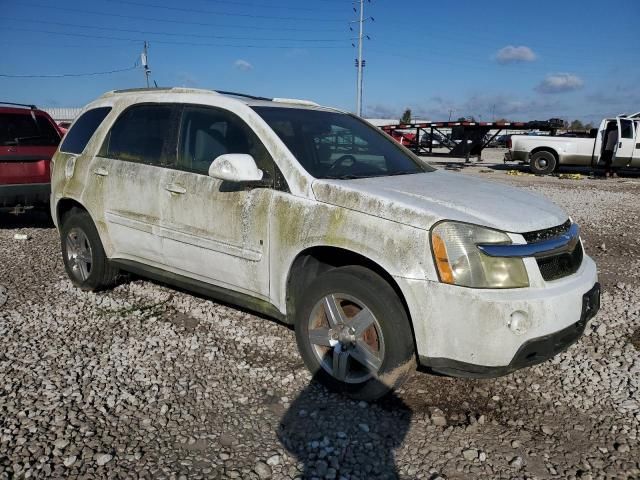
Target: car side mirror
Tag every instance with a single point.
(235, 167)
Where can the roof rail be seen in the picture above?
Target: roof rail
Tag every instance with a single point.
(245, 95)
(142, 89)
(33, 107)
(295, 101)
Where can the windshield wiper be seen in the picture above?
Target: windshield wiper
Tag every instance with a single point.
(404, 172)
(344, 177)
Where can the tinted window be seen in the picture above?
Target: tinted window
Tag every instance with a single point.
(27, 128)
(337, 145)
(142, 134)
(206, 133)
(627, 128)
(82, 131)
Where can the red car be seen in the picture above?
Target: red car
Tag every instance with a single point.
(28, 139)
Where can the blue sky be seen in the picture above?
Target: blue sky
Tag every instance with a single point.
(519, 60)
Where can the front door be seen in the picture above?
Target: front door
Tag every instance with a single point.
(635, 158)
(133, 164)
(626, 143)
(215, 230)
(599, 144)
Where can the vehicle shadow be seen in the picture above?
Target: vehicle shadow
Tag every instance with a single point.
(37, 218)
(586, 171)
(337, 437)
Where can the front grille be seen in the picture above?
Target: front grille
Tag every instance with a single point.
(539, 235)
(556, 266)
(563, 265)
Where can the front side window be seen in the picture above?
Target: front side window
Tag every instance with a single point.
(627, 129)
(77, 138)
(143, 134)
(208, 132)
(27, 129)
(337, 145)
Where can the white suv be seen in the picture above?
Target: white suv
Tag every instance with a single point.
(312, 216)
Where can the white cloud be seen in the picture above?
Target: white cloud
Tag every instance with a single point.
(559, 83)
(511, 54)
(242, 65)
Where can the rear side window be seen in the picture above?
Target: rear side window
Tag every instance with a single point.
(27, 129)
(144, 134)
(77, 138)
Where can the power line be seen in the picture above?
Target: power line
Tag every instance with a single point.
(195, 35)
(217, 12)
(62, 75)
(269, 6)
(167, 42)
(166, 20)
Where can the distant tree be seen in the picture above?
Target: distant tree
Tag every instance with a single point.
(576, 125)
(588, 126)
(462, 119)
(502, 120)
(406, 116)
(565, 124)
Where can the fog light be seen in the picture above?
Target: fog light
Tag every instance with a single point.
(519, 322)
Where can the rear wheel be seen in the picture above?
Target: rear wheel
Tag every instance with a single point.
(543, 163)
(353, 333)
(84, 259)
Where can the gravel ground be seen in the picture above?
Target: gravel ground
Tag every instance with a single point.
(147, 381)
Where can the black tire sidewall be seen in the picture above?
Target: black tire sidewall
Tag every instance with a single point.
(382, 300)
(551, 163)
(82, 221)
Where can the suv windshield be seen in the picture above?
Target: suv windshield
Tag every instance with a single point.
(337, 145)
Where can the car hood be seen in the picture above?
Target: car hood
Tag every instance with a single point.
(422, 199)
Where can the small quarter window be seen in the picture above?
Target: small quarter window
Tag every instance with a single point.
(83, 129)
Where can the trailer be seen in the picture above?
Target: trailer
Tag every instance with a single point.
(467, 138)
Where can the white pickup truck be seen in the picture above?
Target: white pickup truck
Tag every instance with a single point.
(545, 153)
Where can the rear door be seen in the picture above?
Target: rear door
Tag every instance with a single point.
(626, 143)
(28, 140)
(135, 152)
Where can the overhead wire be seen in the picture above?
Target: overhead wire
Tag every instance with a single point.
(63, 75)
(218, 12)
(151, 32)
(174, 21)
(174, 42)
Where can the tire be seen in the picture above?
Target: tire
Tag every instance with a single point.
(82, 253)
(543, 162)
(363, 356)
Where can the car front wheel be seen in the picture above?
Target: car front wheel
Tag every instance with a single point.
(353, 333)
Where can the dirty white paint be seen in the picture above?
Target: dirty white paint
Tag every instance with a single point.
(247, 239)
(235, 167)
(422, 199)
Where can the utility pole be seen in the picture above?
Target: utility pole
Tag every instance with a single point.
(451, 110)
(144, 60)
(360, 65)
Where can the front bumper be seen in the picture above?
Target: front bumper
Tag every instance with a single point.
(532, 352)
(464, 326)
(24, 194)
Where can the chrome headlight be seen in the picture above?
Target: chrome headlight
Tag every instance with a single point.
(460, 262)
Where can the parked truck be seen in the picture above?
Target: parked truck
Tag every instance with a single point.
(545, 153)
